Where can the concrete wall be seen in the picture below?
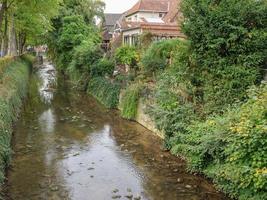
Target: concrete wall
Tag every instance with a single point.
(143, 118)
(146, 121)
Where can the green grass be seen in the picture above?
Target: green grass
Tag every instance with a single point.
(13, 89)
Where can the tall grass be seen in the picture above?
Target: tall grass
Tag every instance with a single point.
(13, 89)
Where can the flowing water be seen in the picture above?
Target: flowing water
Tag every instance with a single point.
(67, 146)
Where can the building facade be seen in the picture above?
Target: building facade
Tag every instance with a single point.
(161, 18)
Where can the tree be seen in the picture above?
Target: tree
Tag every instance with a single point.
(74, 25)
(229, 47)
(28, 21)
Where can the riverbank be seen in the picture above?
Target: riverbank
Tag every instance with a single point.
(14, 76)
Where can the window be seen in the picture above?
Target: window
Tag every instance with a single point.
(135, 40)
(136, 17)
(129, 19)
(160, 15)
(126, 40)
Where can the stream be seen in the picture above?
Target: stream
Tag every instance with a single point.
(68, 146)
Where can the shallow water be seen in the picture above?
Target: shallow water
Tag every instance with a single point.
(67, 146)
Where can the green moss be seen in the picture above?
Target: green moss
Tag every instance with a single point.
(105, 91)
(13, 88)
(129, 102)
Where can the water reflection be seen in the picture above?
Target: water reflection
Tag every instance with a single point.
(67, 146)
(47, 75)
(47, 121)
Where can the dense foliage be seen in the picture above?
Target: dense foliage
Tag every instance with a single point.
(24, 23)
(228, 42)
(84, 57)
(103, 67)
(105, 91)
(129, 101)
(231, 149)
(74, 42)
(13, 88)
(127, 55)
(158, 55)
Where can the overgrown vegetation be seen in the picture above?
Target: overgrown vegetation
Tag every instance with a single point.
(158, 55)
(201, 101)
(13, 89)
(75, 41)
(105, 91)
(127, 55)
(231, 148)
(129, 101)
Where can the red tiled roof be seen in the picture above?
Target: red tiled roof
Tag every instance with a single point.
(150, 5)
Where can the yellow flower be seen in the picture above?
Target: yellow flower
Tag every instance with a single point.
(262, 171)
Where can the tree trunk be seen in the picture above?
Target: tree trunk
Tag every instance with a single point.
(12, 47)
(21, 42)
(4, 44)
(2, 12)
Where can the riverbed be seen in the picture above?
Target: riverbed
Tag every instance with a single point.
(68, 146)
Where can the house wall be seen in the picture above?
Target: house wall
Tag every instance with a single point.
(130, 34)
(137, 16)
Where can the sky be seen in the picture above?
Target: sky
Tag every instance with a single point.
(118, 6)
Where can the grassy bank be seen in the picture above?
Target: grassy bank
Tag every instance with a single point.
(13, 89)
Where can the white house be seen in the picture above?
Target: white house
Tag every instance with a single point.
(159, 17)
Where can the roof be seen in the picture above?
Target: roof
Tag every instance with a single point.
(169, 25)
(150, 5)
(111, 18)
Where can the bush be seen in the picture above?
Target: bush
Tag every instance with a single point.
(222, 88)
(158, 55)
(85, 57)
(102, 67)
(13, 88)
(175, 95)
(105, 91)
(127, 55)
(232, 148)
(129, 102)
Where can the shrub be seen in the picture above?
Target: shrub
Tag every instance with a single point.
(174, 95)
(231, 148)
(222, 88)
(85, 57)
(105, 91)
(102, 67)
(129, 102)
(127, 55)
(13, 88)
(158, 55)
